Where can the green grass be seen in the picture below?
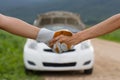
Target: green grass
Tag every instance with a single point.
(11, 58)
(114, 36)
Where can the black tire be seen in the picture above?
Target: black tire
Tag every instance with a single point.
(27, 71)
(88, 71)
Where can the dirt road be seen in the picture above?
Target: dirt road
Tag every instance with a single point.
(107, 64)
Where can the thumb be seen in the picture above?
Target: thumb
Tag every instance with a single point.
(53, 41)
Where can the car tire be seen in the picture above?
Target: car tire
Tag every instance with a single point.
(88, 71)
(27, 71)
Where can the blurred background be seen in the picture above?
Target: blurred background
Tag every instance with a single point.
(91, 11)
(11, 46)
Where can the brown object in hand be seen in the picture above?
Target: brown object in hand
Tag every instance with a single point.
(65, 33)
(62, 32)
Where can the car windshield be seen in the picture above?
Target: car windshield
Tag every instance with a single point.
(59, 27)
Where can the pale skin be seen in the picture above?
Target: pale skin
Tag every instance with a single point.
(18, 27)
(104, 27)
(21, 28)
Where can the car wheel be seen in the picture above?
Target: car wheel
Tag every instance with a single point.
(88, 71)
(27, 71)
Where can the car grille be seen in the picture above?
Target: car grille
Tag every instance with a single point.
(50, 50)
(46, 64)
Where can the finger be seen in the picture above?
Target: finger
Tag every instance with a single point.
(53, 41)
(54, 48)
(57, 48)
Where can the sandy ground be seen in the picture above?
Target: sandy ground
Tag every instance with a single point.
(107, 64)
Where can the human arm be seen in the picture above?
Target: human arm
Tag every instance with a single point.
(21, 28)
(99, 29)
(18, 27)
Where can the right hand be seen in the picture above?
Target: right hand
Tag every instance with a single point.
(67, 40)
(60, 47)
(46, 35)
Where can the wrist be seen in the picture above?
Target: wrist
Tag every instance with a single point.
(44, 35)
(80, 36)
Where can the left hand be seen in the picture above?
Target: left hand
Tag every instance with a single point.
(65, 42)
(59, 46)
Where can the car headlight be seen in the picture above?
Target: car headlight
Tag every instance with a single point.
(85, 45)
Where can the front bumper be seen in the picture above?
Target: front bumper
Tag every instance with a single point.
(44, 61)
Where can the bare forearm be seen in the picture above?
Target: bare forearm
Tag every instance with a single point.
(18, 27)
(102, 28)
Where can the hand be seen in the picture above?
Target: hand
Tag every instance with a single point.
(61, 47)
(68, 40)
(46, 35)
